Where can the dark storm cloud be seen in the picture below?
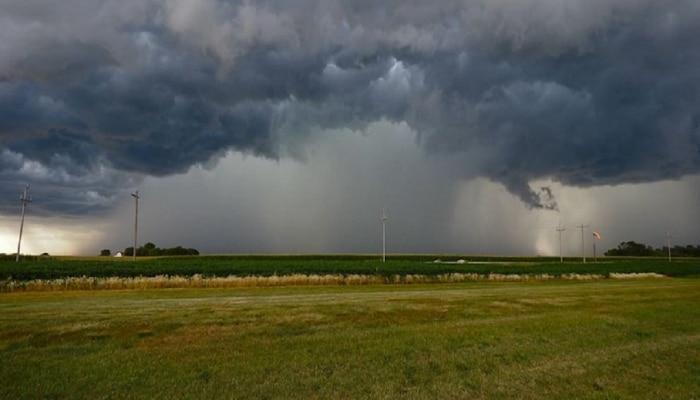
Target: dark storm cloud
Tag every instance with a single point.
(581, 92)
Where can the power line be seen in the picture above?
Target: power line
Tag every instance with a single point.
(25, 200)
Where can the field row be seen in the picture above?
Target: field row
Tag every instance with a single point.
(269, 266)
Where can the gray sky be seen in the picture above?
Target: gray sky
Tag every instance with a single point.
(286, 126)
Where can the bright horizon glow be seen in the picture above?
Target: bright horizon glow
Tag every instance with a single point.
(47, 236)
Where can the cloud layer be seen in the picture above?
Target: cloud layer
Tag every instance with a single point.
(95, 95)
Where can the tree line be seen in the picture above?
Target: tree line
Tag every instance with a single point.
(151, 250)
(634, 249)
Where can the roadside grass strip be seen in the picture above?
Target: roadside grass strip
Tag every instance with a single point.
(199, 281)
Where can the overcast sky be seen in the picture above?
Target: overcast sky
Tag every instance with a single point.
(287, 126)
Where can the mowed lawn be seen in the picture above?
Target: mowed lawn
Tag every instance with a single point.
(603, 339)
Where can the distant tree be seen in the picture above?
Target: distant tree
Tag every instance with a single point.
(180, 251)
(631, 249)
(151, 250)
(105, 252)
(634, 249)
(684, 251)
(176, 251)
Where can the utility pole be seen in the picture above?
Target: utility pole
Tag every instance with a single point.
(668, 241)
(583, 248)
(560, 229)
(136, 221)
(384, 218)
(25, 200)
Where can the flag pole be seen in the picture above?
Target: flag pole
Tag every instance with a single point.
(595, 259)
(596, 236)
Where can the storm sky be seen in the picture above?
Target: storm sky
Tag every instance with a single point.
(287, 126)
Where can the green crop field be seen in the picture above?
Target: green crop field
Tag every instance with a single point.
(602, 339)
(396, 266)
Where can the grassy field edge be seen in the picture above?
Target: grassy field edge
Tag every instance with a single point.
(622, 339)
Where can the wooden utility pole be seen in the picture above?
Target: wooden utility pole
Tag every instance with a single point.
(583, 248)
(136, 221)
(560, 229)
(383, 219)
(25, 200)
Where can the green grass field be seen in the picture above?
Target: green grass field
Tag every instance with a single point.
(606, 339)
